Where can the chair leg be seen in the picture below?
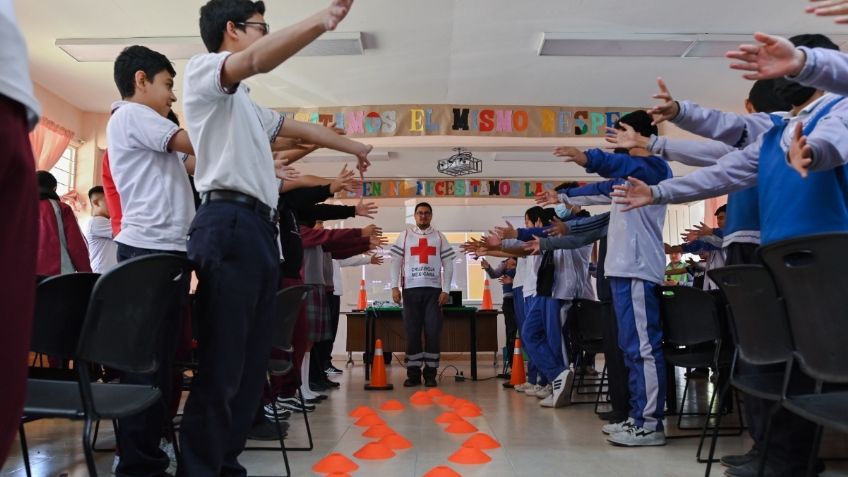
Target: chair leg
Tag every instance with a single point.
(707, 420)
(600, 388)
(774, 408)
(87, 447)
(282, 439)
(308, 429)
(682, 402)
(814, 453)
(714, 438)
(24, 449)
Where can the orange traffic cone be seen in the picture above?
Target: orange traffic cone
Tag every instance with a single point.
(487, 296)
(378, 371)
(335, 462)
(469, 455)
(481, 441)
(374, 451)
(518, 376)
(363, 297)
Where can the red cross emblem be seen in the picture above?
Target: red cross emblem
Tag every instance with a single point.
(423, 251)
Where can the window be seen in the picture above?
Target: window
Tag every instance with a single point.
(65, 171)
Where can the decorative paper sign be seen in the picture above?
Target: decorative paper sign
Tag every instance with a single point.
(453, 188)
(449, 120)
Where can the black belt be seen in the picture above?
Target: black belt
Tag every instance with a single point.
(251, 202)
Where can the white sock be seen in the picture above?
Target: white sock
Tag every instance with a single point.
(304, 376)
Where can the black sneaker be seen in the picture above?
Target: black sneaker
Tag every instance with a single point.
(333, 371)
(430, 381)
(283, 414)
(292, 404)
(737, 460)
(412, 382)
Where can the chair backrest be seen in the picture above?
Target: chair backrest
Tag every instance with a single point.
(587, 321)
(60, 305)
(756, 313)
(811, 274)
(128, 306)
(290, 301)
(689, 316)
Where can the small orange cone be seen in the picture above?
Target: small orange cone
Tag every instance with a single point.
(378, 371)
(487, 296)
(435, 392)
(392, 405)
(362, 411)
(469, 455)
(378, 431)
(481, 441)
(338, 474)
(420, 398)
(363, 297)
(458, 403)
(374, 451)
(469, 410)
(518, 376)
(445, 400)
(335, 462)
(395, 442)
(441, 471)
(460, 427)
(448, 418)
(368, 421)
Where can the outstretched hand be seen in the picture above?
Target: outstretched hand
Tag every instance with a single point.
(547, 197)
(533, 246)
(632, 194)
(830, 8)
(335, 13)
(557, 228)
(772, 57)
(571, 154)
(800, 153)
(507, 232)
(668, 108)
(366, 209)
(627, 138)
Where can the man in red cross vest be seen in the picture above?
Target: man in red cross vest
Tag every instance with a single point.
(422, 264)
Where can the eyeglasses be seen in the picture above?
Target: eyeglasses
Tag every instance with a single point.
(261, 25)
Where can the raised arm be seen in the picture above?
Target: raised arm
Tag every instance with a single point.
(272, 50)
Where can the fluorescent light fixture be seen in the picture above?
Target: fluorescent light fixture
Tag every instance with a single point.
(330, 157)
(184, 47)
(683, 45)
(598, 44)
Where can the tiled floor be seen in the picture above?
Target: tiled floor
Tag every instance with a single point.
(536, 441)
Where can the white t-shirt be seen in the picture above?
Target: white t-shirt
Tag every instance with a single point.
(15, 82)
(156, 198)
(102, 250)
(230, 133)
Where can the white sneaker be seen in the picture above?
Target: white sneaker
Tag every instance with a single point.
(561, 395)
(637, 437)
(545, 392)
(168, 448)
(532, 390)
(616, 427)
(523, 387)
(115, 463)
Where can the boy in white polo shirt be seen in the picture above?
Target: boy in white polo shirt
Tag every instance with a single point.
(151, 179)
(233, 237)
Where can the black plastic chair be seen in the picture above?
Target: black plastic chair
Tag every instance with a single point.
(289, 302)
(121, 330)
(810, 273)
(586, 332)
(60, 306)
(692, 338)
(761, 332)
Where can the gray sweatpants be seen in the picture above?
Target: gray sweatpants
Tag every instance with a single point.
(421, 311)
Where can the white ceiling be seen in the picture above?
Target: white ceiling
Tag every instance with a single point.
(434, 51)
